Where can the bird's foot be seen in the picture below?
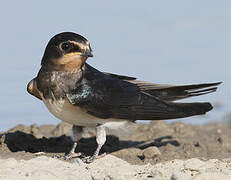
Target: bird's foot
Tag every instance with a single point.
(72, 155)
(90, 159)
(68, 156)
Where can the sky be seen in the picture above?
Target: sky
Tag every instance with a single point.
(173, 42)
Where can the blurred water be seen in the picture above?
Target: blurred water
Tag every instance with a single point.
(178, 42)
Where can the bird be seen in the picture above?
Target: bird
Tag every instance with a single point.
(77, 93)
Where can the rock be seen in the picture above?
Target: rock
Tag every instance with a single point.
(211, 176)
(112, 168)
(194, 164)
(61, 129)
(3, 146)
(151, 152)
(35, 130)
(131, 153)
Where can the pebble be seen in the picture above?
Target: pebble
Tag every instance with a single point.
(151, 152)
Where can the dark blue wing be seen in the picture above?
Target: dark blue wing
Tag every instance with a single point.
(105, 96)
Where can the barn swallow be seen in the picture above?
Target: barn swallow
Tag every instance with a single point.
(83, 96)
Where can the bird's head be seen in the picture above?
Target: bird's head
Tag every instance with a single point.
(66, 51)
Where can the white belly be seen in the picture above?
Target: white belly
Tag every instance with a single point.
(67, 112)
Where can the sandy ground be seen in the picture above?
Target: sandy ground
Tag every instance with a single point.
(141, 151)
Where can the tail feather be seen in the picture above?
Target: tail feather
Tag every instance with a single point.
(173, 93)
(191, 109)
(168, 92)
(155, 109)
(178, 110)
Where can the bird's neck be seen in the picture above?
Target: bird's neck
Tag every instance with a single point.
(57, 83)
(71, 64)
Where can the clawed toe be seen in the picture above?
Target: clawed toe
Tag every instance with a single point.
(72, 155)
(85, 159)
(92, 158)
(68, 156)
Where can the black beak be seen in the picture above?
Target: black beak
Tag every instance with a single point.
(87, 54)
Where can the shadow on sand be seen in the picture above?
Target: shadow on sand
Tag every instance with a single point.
(20, 141)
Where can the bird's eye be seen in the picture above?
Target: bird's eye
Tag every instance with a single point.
(65, 46)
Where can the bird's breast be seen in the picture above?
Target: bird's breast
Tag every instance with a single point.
(52, 89)
(65, 111)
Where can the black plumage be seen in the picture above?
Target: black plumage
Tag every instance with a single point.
(111, 96)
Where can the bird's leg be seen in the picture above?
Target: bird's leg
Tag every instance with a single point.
(100, 139)
(77, 132)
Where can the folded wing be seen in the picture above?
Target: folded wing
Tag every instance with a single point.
(170, 92)
(111, 97)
